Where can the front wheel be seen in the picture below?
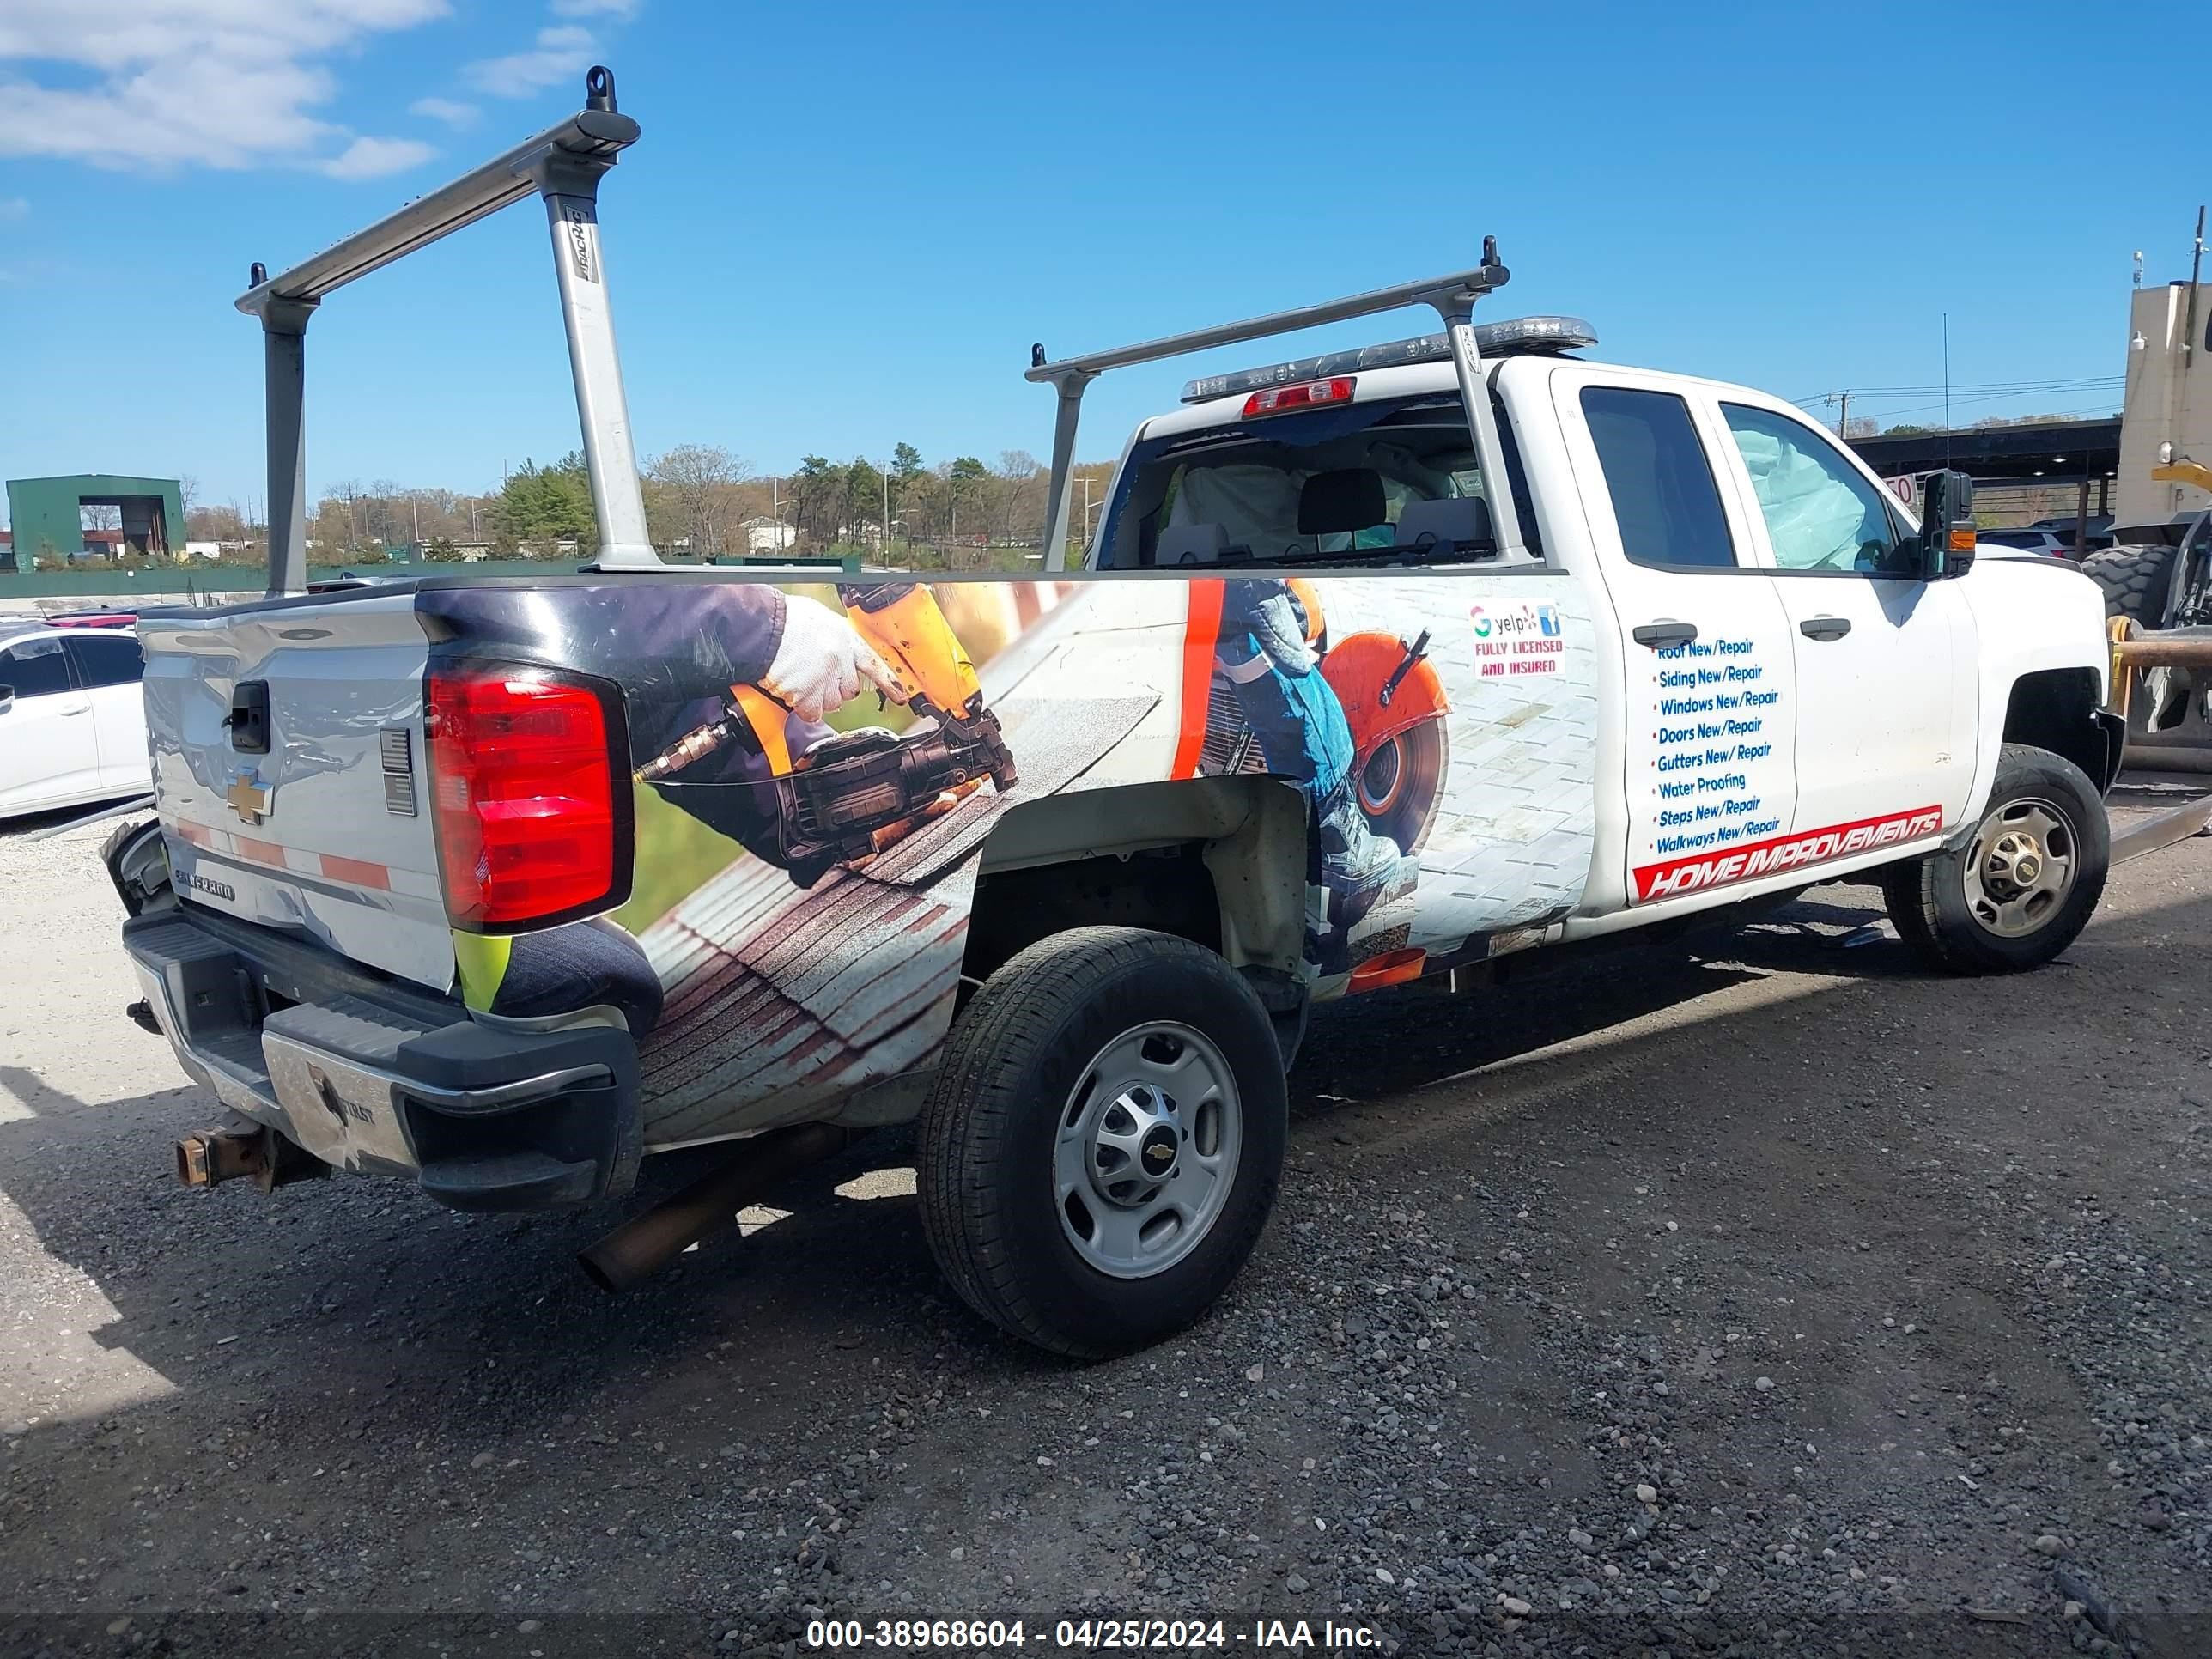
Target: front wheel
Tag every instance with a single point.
(2021, 888)
(1104, 1139)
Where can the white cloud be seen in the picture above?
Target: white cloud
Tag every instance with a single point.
(560, 54)
(452, 112)
(624, 10)
(172, 83)
(372, 158)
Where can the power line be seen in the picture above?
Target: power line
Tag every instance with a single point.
(1992, 388)
(1924, 408)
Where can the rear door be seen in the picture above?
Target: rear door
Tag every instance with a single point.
(48, 756)
(1886, 710)
(109, 667)
(1709, 675)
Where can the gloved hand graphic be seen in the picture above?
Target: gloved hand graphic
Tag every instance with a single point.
(820, 662)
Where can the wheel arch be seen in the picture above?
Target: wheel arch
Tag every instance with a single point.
(2058, 710)
(1221, 861)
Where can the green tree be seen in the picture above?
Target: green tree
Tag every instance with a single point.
(963, 481)
(818, 487)
(541, 505)
(908, 477)
(863, 494)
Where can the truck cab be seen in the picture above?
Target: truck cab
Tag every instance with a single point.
(1779, 684)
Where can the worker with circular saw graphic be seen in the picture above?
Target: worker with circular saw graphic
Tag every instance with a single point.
(1263, 651)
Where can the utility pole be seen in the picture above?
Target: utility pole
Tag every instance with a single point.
(885, 475)
(2196, 272)
(2178, 427)
(1843, 414)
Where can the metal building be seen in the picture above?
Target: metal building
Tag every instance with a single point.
(47, 516)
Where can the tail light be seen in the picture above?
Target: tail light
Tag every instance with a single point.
(529, 782)
(1309, 394)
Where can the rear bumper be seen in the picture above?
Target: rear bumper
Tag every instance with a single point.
(377, 1078)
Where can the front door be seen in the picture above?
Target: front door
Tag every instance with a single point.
(1709, 674)
(1885, 728)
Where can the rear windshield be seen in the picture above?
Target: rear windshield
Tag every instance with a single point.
(1291, 488)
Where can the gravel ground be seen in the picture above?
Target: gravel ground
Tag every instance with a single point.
(1775, 1299)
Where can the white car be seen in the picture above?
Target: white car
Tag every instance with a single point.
(1998, 544)
(72, 718)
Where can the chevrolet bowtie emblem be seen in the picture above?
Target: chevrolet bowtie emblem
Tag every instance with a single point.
(249, 798)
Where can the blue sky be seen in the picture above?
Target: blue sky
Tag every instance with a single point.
(845, 222)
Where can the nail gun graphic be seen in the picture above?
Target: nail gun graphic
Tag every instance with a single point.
(857, 793)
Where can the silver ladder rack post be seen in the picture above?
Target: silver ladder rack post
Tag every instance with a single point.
(1451, 297)
(562, 164)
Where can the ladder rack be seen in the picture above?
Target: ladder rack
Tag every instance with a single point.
(563, 165)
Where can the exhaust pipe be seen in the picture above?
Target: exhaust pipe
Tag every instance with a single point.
(643, 1245)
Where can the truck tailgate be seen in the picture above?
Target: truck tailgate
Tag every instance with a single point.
(326, 828)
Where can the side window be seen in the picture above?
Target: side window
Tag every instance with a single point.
(1821, 513)
(1664, 498)
(34, 668)
(105, 658)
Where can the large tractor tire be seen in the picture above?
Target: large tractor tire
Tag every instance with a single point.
(2137, 583)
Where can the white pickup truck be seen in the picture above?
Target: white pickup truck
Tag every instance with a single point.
(1380, 666)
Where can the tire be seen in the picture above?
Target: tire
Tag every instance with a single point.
(2137, 583)
(1034, 1075)
(1968, 909)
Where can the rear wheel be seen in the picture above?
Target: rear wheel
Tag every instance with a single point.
(2021, 888)
(1105, 1140)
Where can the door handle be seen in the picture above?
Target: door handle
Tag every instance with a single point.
(1824, 627)
(1660, 635)
(81, 709)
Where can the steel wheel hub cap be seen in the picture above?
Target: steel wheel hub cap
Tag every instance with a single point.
(2020, 866)
(1146, 1150)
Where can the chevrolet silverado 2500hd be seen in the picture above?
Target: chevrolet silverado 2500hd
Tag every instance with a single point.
(1381, 665)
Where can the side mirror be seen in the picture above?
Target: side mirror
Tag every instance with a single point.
(1947, 526)
(7, 698)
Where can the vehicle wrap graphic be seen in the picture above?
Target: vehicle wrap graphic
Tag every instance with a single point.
(1780, 853)
(818, 769)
